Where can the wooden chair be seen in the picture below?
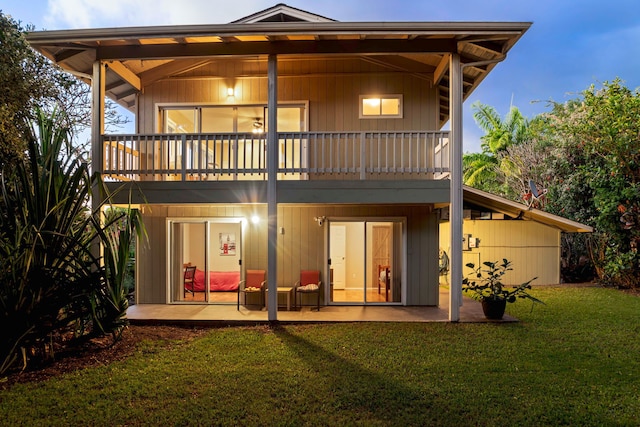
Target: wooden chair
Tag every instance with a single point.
(309, 283)
(188, 279)
(254, 283)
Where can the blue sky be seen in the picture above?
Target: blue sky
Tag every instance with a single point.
(571, 45)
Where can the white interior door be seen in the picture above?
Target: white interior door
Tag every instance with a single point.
(337, 236)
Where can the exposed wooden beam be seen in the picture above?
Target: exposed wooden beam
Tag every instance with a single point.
(67, 54)
(441, 69)
(195, 50)
(126, 94)
(173, 67)
(125, 73)
(489, 47)
(405, 65)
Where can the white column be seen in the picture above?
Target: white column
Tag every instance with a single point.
(272, 205)
(455, 206)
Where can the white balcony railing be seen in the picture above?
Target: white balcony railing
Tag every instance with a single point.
(301, 155)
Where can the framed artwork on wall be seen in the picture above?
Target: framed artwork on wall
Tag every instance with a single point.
(228, 244)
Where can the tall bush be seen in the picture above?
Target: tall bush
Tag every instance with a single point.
(596, 175)
(50, 281)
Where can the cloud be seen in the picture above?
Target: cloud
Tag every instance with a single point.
(63, 14)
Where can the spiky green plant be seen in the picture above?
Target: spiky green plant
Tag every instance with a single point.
(120, 228)
(50, 281)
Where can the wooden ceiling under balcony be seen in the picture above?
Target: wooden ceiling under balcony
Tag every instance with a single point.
(139, 56)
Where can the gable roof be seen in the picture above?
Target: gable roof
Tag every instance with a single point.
(518, 210)
(138, 56)
(282, 13)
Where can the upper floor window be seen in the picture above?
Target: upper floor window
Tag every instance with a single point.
(380, 106)
(230, 119)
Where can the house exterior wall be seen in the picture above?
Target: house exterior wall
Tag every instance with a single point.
(331, 86)
(301, 246)
(533, 248)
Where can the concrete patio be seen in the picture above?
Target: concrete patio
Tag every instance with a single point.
(227, 314)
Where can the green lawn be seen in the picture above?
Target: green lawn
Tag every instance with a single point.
(574, 361)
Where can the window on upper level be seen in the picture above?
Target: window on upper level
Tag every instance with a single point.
(380, 106)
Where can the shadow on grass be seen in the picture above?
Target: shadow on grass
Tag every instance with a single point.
(356, 393)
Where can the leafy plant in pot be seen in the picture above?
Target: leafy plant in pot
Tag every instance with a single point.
(485, 285)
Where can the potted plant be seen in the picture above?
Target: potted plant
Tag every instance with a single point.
(485, 285)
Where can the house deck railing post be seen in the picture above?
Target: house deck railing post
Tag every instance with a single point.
(363, 156)
(183, 140)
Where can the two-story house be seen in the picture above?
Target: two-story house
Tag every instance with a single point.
(288, 141)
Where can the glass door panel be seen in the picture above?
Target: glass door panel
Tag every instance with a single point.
(366, 262)
(188, 248)
(224, 261)
(384, 262)
(218, 120)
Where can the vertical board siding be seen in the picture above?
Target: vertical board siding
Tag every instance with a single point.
(532, 248)
(332, 88)
(333, 98)
(300, 247)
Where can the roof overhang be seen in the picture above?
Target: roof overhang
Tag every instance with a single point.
(518, 210)
(419, 48)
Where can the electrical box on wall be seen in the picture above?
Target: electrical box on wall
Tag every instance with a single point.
(465, 242)
(469, 242)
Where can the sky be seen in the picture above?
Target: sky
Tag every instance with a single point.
(571, 45)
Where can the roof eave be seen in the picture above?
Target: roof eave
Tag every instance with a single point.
(515, 209)
(269, 28)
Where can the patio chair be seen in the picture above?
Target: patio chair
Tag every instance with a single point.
(188, 279)
(309, 283)
(254, 283)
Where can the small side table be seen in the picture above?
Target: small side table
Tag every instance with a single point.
(281, 290)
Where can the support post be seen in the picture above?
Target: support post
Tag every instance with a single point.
(272, 176)
(97, 120)
(455, 205)
(97, 130)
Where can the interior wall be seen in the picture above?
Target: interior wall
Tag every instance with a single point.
(355, 255)
(194, 244)
(218, 260)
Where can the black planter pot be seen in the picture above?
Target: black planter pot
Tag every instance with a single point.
(494, 308)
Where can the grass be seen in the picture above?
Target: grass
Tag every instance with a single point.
(572, 362)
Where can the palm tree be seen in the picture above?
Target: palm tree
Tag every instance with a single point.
(484, 170)
(500, 134)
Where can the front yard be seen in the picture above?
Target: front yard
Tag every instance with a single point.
(573, 361)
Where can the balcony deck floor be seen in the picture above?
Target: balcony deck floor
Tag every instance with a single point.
(226, 314)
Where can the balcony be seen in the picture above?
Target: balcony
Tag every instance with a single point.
(397, 155)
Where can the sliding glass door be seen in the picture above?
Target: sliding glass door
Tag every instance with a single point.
(366, 261)
(212, 249)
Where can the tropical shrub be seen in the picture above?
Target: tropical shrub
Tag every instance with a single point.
(595, 171)
(52, 282)
(485, 282)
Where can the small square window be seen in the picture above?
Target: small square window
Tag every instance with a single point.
(380, 106)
